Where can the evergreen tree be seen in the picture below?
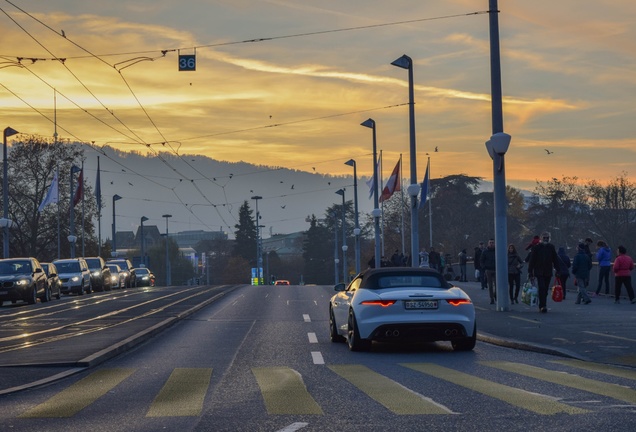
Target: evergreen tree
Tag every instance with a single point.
(318, 254)
(245, 235)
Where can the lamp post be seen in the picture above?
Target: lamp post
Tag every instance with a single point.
(114, 251)
(259, 259)
(405, 62)
(6, 222)
(335, 248)
(75, 169)
(497, 147)
(356, 230)
(168, 272)
(143, 241)
(370, 123)
(344, 238)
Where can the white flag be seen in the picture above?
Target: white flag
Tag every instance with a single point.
(52, 195)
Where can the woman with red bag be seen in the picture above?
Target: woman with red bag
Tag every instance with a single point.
(623, 266)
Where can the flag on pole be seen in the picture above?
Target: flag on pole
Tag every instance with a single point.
(52, 196)
(424, 196)
(370, 182)
(79, 190)
(98, 188)
(393, 184)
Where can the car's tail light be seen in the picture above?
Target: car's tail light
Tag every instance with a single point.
(383, 303)
(457, 302)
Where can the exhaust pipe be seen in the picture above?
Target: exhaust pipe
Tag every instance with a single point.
(391, 333)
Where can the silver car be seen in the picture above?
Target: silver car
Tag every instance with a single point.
(74, 275)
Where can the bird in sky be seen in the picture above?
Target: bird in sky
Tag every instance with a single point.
(63, 34)
(314, 168)
(548, 151)
(292, 186)
(436, 149)
(130, 183)
(283, 206)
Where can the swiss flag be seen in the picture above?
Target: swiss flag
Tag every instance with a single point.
(79, 191)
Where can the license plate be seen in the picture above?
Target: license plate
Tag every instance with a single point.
(420, 304)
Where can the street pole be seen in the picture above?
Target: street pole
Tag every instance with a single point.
(258, 242)
(370, 123)
(5, 192)
(345, 279)
(405, 62)
(499, 172)
(72, 238)
(113, 253)
(335, 249)
(143, 241)
(168, 272)
(356, 229)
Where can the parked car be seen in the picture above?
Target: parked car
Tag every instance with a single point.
(117, 277)
(127, 268)
(401, 304)
(75, 275)
(144, 277)
(55, 284)
(100, 274)
(23, 279)
(281, 282)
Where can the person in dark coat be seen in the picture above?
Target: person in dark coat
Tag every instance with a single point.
(488, 263)
(515, 263)
(581, 266)
(543, 259)
(477, 260)
(564, 270)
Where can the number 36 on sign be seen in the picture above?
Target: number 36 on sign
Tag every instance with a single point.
(187, 62)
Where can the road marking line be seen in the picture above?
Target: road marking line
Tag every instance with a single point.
(312, 337)
(317, 358)
(597, 367)
(526, 319)
(78, 396)
(306, 318)
(568, 380)
(537, 403)
(284, 392)
(392, 395)
(609, 336)
(293, 427)
(183, 394)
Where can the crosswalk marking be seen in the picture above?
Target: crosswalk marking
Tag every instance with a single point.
(568, 380)
(521, 398)
(312, 337)
(183, 394)
(597, 367)
(78, 396)
(284, 391)
(388, 393)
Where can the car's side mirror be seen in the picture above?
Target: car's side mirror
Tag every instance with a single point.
(340, 287)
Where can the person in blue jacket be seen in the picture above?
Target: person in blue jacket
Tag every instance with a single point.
(604, 258)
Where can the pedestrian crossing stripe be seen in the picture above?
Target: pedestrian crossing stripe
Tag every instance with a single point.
(284, 391)
(78, 396)
(183, 394)
(565, 379)
(597, 367)
(393, 396)
(537, 403)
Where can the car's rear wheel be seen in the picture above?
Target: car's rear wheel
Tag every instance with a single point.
(355, 342)
(333, 329)
(33, 295)
(466, 344)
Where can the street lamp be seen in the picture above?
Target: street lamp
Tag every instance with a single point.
(497, 147)
(335, 248)
(370, 123)
(6, 222)
(356, 230)
(113, 253)
(143, 241)
(344, 238)
(258, 242)
(405, 62)
(74, 169)
(168, 272)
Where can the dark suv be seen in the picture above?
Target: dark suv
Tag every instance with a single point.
(100, 274)
(126, 268)
(23, 279)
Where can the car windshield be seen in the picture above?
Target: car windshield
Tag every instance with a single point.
(16, 267)
(113, 269)
(93, 263)
(68, 267)
(141, 271)
(408, 281)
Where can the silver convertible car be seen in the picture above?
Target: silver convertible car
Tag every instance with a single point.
(401, 304)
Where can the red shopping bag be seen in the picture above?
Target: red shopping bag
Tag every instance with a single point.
(557, 291)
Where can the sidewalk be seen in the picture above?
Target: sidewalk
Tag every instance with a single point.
(601, 332)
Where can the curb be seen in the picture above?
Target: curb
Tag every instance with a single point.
(525, 346)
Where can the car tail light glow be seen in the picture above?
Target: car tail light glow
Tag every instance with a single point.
(457, 302)
(383, 303)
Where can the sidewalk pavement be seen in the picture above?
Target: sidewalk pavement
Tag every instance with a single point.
(601, 331)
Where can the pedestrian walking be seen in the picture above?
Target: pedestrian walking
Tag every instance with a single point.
(581, 266)
(488, 262)
(564, 270)
(424, 258)
(623, 266)
(462, 266)
(515, 263)
(604, 258)
(543, 258)
(434, 259)
(481, 276)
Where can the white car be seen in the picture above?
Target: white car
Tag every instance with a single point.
(401, 304)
